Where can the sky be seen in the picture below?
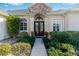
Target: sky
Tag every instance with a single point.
(55, 6)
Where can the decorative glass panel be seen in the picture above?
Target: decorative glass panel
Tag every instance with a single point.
(37, 25)
(41, 26)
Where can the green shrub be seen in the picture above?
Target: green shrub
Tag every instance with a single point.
(63, 37)
(23, 34)
(46, 42)
(68, 37)
(13, 25)
(67, 49)
(54, 52)
(24, 37)
(62, 50)
(31, 40)
(20, 49)
(27, 39)
(5, 49)
(53, 43)
(75, 40)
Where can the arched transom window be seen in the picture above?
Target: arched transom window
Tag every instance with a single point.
(23, 25)
(39, 17)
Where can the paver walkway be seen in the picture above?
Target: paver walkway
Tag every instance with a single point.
(38, 48)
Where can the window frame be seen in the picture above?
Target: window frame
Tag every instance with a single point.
(56, 27)
(23, 21)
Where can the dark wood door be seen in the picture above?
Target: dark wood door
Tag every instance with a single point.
(39, 28)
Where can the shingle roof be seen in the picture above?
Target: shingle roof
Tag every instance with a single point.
(26, 11)
(19, 12)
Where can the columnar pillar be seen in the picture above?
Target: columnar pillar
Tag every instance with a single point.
(45, 25)
(31, 25)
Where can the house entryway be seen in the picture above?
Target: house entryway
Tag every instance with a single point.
(39, 28)
(38, 48)
(39, 25)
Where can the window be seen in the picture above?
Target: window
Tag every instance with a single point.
(23, 25)
(55, 27)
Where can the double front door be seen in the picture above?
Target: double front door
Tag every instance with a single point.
(39, 28)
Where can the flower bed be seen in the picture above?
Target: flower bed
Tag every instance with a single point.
(67, 39)
(17, 49)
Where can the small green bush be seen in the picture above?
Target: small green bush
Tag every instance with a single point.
(67, 49)
(46, 42)
(31, 40)
(54, 52)
(23, 34)
(24, 37)
(20, 49)
(62, 50)
(75, 40)
(5, 49)
(25, 40)
(54, 42)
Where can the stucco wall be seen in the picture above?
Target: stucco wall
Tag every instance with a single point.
(3, 29)
(73, 21)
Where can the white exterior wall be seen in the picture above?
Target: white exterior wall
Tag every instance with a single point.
(73, 22)
(3, 29)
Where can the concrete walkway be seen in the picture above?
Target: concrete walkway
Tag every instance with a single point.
(38, 48)
(10, 40)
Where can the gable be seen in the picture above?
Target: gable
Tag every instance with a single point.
(39, 8)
